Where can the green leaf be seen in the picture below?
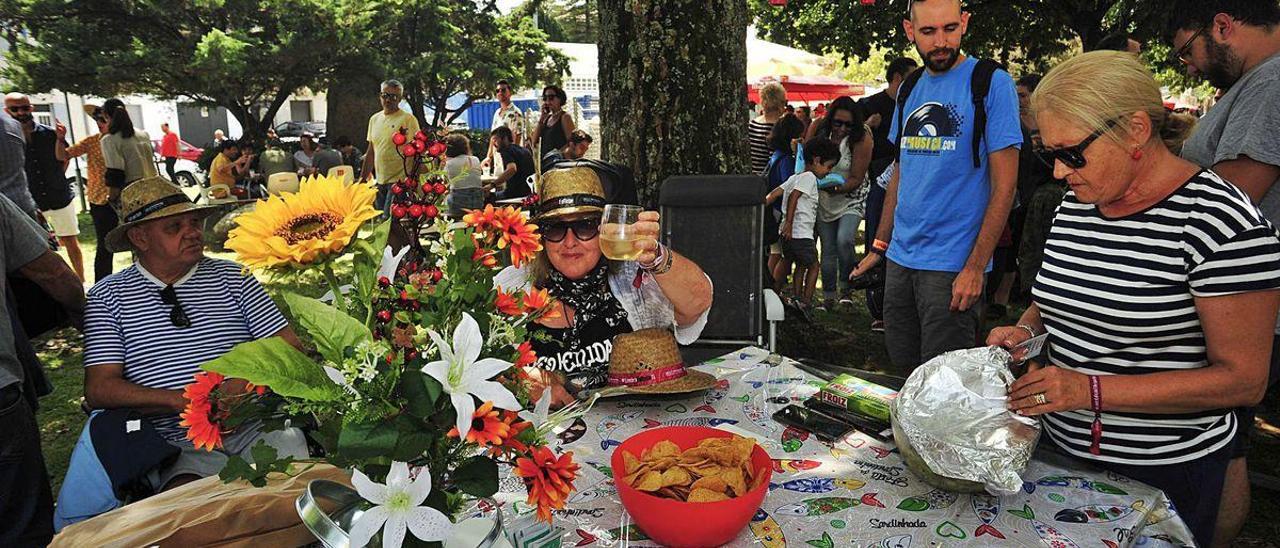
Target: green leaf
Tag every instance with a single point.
(362, 440)
(331, 329)
(420, 392)
(274, 363)
(413, 440)
(476, 476)
(238, 468)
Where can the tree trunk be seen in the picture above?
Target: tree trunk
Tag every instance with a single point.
(673, 77)
(352, 98)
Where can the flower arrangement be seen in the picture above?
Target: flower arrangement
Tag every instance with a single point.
(412, 375)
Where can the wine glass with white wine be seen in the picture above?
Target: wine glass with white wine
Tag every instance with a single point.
(618, 237)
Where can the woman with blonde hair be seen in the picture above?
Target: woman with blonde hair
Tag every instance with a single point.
(773, 104)
(1158, 292)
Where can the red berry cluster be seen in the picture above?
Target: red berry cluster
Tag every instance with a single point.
(395, 297)
(416, 201)
(419, 145)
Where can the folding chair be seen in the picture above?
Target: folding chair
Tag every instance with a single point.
(286, 181)
(345, 172)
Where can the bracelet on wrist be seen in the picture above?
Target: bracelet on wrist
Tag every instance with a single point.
(1095, 402)
(1030, 330)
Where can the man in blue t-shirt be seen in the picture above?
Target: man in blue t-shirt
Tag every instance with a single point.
(942, 215)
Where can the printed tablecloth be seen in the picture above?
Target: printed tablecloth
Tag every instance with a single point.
(855, 493)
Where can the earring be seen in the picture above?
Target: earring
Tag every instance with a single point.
(1137, 154)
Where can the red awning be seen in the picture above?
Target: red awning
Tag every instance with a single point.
(807, 88)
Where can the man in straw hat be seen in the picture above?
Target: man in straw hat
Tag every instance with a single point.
(148, 328)
(599, 299)
(26, 503)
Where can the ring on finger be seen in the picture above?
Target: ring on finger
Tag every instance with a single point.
(1039, 398)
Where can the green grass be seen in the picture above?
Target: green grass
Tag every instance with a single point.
(841, 336)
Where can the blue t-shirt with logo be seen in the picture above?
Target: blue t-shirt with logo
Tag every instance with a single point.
(941, 196)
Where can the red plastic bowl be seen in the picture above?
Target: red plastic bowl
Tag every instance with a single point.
(668, 521)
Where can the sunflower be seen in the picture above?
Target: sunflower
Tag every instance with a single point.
(487, 427)
(300, 228)
(548, 478)
(516, 232)
(202, 418)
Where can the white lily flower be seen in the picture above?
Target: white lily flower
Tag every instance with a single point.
(462, 376)
(391, 263)
(512, 279)
(398, 505)
(538, 416)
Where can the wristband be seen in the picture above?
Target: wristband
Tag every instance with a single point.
(1030, 330)
(1095, 398)
(880, 245)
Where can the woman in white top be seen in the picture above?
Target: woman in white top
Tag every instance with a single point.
(466, 192)
(840, 206)
(306, 150)
(126, 151)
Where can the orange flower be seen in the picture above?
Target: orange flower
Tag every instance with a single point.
(548, 478)
(527, 356)
(519, 234)
(486, 427)
(511, 444)
(484, 257)
(201, 417)
(539, 303)
(481, 219)
(507, 304)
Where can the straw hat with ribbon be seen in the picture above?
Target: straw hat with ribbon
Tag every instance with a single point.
(648, 362)
(148, 199)
(570, 191)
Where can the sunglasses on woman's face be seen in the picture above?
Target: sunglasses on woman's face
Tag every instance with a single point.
(1073, 156)
(584, 230)
(840, 123)
(176, 315)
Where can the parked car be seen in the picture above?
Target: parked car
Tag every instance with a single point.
(186, 151)
(189, 174)
(295, 129)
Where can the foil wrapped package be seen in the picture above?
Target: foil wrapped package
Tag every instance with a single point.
(951, 423)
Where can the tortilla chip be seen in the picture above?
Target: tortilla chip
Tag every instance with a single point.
(733, 477)
(711, 483)
(650, 481)
(676, 476)
(706, 495)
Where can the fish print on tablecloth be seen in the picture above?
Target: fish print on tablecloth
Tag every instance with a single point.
(896, 541)
(933, 500)
(987, 508)
(604, 469)
(758, 416)
(1073, 482)
(604, 488)
(610, 424)
(690, 421)
(714, 395)
(756, 385)
(824, 542)
(1093, 513)
(793, 439)
(793, 466)
(817, 485)
(628, 532)
(1050, 536)
(820, 506)
(574, 432)
(767, 531)
(586, 539)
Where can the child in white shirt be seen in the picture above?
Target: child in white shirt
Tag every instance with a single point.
(800, 210)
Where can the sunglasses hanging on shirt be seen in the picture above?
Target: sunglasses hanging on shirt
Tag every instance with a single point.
(176, 315)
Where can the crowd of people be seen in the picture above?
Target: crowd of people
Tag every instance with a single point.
(1141, 241)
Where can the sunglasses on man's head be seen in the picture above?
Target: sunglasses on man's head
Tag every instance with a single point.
(584, 230)
(176, 315)
(1073, 156)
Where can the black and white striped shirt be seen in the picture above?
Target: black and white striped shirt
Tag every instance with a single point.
(758, 137)
(1118, 298)
(126, 322)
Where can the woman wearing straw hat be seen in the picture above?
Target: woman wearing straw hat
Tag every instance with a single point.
(600, 299)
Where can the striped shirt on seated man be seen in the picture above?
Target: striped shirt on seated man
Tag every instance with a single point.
(150, 327)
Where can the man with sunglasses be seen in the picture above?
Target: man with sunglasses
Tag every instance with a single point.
(509, 116)
(46, 177)
(149, 327)
(947, 203)
(1235, 46)
(382, 160)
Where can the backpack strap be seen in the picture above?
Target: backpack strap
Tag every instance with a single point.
(904, 91)
(979, 87)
